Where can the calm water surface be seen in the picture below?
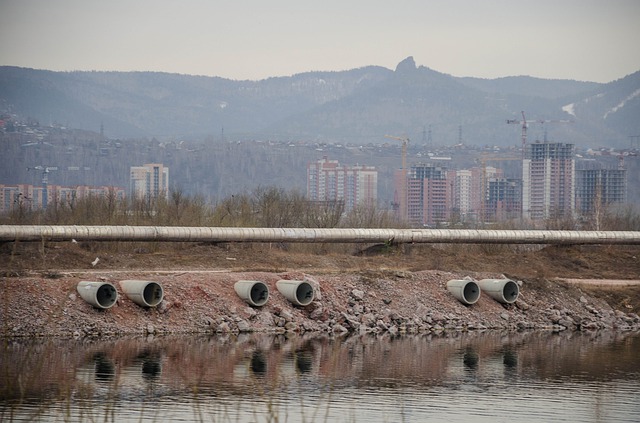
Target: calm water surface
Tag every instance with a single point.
(480, 377)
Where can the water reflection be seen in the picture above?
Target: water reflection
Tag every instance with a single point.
(509, 359)
(258, 363)
(359, 374)
(470, 359)
(104, 367)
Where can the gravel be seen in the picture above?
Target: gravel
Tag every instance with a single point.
(345, 302)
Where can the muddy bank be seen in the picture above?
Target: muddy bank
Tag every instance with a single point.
(376, 301)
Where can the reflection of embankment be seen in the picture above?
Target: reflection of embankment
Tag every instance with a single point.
(30, 370)
(584, 355)
(250, 365)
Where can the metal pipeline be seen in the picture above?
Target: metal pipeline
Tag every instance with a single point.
(309, 235)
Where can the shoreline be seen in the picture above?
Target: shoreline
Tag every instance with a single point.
(381, 301)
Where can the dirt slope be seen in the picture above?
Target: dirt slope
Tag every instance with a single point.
(375, 289)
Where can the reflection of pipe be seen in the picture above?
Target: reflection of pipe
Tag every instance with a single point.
(255, 293)
(502, 290)
(143, 293)
(304, 361)
(151, 368)
(151, 364)
(470, 359)
(465, 290)
(510, 359)
(98, 294)
(258, 363)
(298, 292)
(360, 235)
(104, 368)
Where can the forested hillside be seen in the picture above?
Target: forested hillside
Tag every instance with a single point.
(357, 106)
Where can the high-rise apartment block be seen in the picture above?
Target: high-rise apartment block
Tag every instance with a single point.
(329, 181)
(149, 181)
(504, 199)
(548, 180)
(551, 187)
(462, 197)
(425, 197)
(597, 186)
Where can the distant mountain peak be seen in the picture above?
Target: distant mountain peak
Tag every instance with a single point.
(407, 65)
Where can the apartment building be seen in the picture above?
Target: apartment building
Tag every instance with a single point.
(598, 187)
(30, 197)
(504, 199)
(149, 181)
(462, 200)
(429, 193)
(548, 180)
(328, 180)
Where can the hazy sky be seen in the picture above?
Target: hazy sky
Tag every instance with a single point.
(593, 40)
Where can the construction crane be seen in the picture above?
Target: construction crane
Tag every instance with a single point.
(45, 182)
(403, 199)
(621, 156)
(483, 181)
(405, 142)
(525, 123)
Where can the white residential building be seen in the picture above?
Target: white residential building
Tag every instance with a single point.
(328, 180)
(149, 181)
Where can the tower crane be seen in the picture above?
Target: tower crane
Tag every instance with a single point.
(525, 123)
(405, 141)
(402, 203)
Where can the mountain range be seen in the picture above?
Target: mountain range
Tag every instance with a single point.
(357, 106)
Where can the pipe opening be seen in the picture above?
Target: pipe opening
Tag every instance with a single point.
(510, 292)
(106, 295)
(471, 292)
(259, 293)
(304, 293)
(152, 294)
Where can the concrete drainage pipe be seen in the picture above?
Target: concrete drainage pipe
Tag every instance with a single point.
(504, 291)
(298, 292)
(464, 290)
(101, 295)
(255, 293)
(143, 293)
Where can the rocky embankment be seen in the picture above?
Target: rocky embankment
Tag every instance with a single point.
(380, 301)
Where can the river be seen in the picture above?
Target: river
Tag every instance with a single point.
(453, 377)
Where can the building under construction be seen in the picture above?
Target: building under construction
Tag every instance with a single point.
(599, 187)
(504, 199)
(548, 180)
(428, 195)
